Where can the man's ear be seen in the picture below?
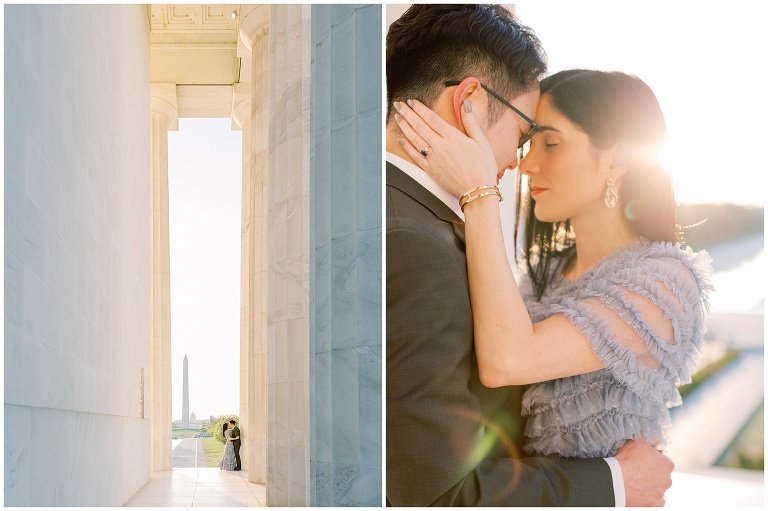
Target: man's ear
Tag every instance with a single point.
(465, 90)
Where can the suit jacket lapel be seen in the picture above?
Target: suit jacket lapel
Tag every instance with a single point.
(400, 180)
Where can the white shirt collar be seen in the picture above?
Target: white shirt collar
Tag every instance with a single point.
(417, 174)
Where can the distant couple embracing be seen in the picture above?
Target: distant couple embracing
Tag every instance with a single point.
(609, 315)
(230, 460)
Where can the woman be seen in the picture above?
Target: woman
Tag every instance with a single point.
(611, 313)
(228, 458)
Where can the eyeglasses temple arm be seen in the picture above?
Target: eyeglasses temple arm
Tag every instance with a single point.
(510, 105)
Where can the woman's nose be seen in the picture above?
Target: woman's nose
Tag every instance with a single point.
(527, 165)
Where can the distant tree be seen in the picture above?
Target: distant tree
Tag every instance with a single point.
(215, 427)
(706, 225)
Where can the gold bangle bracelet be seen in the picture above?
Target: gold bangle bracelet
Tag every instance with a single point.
(483, 187)
(486, 194)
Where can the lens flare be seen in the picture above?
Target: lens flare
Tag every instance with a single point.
(495, 440)
(631, 211)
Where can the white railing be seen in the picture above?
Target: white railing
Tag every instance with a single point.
(713, 415)
(720, 488)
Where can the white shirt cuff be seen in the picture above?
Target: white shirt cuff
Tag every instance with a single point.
(618, 482)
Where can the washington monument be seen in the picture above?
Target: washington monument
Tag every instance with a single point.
(185, 399)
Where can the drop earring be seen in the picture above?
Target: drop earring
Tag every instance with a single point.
(611, 193)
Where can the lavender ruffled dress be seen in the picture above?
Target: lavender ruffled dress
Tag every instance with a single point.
(642, 308)
(228, 461)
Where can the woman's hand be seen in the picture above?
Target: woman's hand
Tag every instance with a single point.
(457, 162)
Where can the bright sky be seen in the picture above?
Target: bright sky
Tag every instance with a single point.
(204, 176)
(706, 62)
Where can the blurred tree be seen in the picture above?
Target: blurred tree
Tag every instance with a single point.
(215, 426)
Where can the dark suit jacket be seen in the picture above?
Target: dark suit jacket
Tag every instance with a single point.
(235, 434)
(450, 440)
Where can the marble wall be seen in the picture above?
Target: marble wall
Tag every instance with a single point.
(345, 264)
(77, 235)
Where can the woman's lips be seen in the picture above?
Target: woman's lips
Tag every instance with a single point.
(535, 190)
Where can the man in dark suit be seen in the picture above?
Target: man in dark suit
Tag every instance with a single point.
(450, 440)
(236, 443)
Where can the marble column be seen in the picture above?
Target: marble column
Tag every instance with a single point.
(288, 256)
(164, 116)
(345, 266)
(241, 115)
(251, 104)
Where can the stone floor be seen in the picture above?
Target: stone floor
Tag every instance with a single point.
(199, 487)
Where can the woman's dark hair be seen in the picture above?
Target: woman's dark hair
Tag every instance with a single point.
(225, 426)
(431, 44)
(610, 107)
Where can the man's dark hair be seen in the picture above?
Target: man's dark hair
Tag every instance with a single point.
(431, 44)
(232, 421)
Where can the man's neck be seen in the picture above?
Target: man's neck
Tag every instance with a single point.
(417, 174)
(393, 146)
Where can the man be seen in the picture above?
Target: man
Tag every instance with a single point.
(450, 440)
(236, 443)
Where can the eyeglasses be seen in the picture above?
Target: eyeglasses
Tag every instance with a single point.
(527, 136)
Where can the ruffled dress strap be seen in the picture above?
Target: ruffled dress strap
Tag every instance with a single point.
(643, 312)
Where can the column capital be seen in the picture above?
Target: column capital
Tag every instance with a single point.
(241, 105)
(254, 24)
(163, 101)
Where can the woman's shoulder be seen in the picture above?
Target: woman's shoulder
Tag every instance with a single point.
(681, 265)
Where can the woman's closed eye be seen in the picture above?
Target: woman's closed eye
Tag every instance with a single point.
(550, 141)
(545, 143)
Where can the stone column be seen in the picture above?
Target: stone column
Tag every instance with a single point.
(241, 115)
(250, 112)
(345, 267)
(164, 116)
(288, 256)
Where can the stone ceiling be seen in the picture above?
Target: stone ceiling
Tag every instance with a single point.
(195, 47)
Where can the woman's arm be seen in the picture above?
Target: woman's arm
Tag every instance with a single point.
(510, 349)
